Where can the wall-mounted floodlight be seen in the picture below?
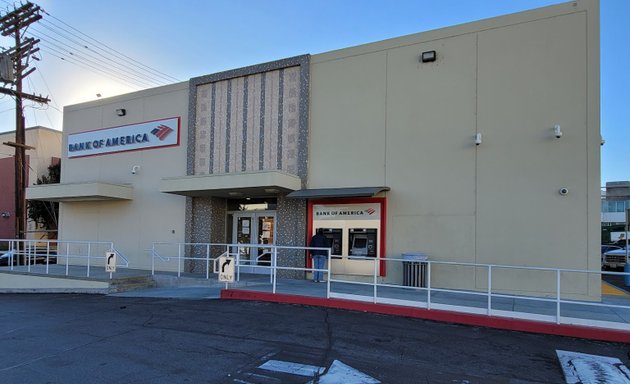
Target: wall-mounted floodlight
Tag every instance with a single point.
(428, 56)
(556, 131)
(478, 139)
(121, 112)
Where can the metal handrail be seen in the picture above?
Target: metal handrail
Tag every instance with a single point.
(30, 249)
(239, 262)
(489, 293)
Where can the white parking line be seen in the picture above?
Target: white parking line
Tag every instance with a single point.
(582, 368)
(292, 368)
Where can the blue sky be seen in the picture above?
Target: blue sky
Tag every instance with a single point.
(187, 38)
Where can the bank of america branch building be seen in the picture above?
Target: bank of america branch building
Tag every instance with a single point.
(477, 143)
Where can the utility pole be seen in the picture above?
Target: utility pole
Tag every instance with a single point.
(15, 69)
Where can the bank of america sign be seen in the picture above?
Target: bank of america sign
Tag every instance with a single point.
(133, 137)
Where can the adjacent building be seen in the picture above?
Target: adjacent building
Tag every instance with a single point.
(47, 144)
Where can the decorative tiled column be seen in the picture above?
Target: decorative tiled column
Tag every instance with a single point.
(205, 223)
(291, 217)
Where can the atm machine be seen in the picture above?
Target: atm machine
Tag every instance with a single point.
(362, 242)
(334, 236)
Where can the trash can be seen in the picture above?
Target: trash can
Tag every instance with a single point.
(414, 269)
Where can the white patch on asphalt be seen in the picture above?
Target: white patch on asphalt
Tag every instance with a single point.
(582, 368)
(342, 373)
(292, 368)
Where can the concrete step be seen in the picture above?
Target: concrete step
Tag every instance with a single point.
(133, 283)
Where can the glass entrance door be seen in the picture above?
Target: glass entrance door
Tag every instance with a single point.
(254, 228)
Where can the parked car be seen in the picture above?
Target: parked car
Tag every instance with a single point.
(4, 257)
(613, 257)
(37, 256)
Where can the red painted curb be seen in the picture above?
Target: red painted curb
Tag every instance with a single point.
(437, 315)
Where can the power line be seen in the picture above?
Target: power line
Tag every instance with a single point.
(117, 56)
(92, 62)
(89, 67)
(119, 66)
(118, 53)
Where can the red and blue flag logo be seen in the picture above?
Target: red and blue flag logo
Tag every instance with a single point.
(162, 131)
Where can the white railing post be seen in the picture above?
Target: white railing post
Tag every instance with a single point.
(329, 268)
(489, 290)
(89, 255)
(153, 259)
(274, 270)
(428, 284)
(13, 252)
(67, 256)
(557, 296)
(207, 261)
(179, 259)
(29, 255)
(47, 254)
(270, 264)
(375, 278)
(238, 262)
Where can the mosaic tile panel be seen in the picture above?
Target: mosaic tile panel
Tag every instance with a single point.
(251, 119)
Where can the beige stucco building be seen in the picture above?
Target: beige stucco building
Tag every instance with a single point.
(477, 143)
(46, 150)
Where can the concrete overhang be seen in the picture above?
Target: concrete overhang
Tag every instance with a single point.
(71, 192)
(336, 193)
(232, 185)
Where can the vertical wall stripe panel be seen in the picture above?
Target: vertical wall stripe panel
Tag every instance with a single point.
(280, 117)
(237, 125)
(228, 127)
(255, 119)
(219, 144)
(244, 137)
(213, 101)
(261, 144)
(270, 145)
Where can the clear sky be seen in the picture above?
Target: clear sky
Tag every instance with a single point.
(188, 38)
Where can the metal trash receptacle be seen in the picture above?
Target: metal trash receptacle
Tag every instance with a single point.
(415, 269)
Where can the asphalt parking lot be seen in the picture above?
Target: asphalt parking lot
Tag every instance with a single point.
(71, 338)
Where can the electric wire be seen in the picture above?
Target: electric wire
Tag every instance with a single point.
(90, 68)
(110, 63)
(61, 49)
(119, 65)
(150, 75)
(153, 70)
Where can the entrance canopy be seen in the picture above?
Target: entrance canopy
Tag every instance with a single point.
(232, 185)
(325, 193)
(69, 192)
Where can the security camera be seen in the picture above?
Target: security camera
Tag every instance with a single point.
(557, 131)
(135, 169)
(563, 191)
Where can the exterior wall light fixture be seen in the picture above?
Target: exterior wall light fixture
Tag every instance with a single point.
(135, 169)
(478, 139)
(121, 112)
(428, 56)
(556, 131)
(6, 215)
